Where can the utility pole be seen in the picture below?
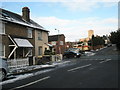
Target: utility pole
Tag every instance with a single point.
(59, 50)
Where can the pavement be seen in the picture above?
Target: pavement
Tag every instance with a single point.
(29, 69)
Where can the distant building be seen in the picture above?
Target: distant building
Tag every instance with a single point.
(58, 42)
(70, 45)
(90, 33)
(85, 40)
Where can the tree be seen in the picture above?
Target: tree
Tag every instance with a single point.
(115, 38)
(80, 42)
(96, 41)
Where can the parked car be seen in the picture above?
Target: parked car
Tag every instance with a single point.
(72, 52)
(3, 69)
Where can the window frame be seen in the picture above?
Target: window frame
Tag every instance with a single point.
(2, 25)
(3, 51)
(39, 35)
(39, 50)
(30, 54)
(29, 33)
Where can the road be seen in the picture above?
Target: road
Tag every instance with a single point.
(98, 71)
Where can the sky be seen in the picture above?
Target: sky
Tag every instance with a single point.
(73, 18)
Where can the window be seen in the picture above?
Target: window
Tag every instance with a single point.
(53, 42)
(39, 50)
(2, 28)
(39, 35)
(2, 50)
(61, 42)
(30, 51)
(29, 32)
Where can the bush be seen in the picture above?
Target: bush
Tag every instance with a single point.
(115, 38)
(48, 52)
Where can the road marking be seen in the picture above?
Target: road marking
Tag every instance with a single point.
(31, 83)
(79, 67)
(105, 61)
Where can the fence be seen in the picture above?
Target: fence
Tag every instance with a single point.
(17, 63)
(57, 57)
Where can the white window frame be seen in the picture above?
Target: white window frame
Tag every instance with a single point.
(39, 35)
(61, 43)
(53, 43)
(30, 52)
(39, 51)
(2, 27)
(3, 51)
(30, 32)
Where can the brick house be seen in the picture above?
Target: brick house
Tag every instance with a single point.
(58, 42)
(69, 45)
(21, 37)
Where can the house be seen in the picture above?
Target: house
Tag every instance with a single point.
(21, 37)
(70, 45)
(84, 41)
(58, 42)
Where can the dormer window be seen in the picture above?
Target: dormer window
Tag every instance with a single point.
(30, 32)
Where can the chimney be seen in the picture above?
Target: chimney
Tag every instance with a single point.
(26, 13)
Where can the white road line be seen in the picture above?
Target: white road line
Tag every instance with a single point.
(105, 61)
(79, 67)
(31, 83)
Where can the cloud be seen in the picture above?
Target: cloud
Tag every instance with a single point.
(88, 5)
(75, 5)
(52, 21)
(111, 21)
(83, 6)
(76, 29)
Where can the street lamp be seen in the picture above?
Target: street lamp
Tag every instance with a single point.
(57, 30)
(59, 51)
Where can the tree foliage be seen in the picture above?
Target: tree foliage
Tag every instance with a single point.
(115, 38)
(79, 42)
(96, 41)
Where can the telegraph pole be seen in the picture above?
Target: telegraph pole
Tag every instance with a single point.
(59, 50)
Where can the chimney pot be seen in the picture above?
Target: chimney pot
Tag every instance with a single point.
(26, 13)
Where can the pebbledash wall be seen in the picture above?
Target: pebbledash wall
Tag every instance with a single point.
(40, 43)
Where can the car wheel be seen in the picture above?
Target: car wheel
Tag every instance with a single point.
(67, 56)
(2, 75)
(78, 56)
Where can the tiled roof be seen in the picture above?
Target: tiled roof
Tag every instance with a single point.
(54, 37)
(15, 18)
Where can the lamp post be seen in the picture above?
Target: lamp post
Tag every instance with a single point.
(59, 51)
